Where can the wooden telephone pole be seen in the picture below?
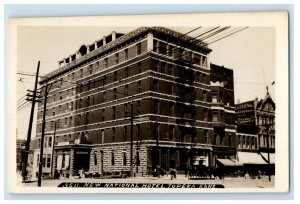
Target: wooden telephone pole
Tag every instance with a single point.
(30, 97)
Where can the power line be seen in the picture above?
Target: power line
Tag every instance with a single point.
(227, 35)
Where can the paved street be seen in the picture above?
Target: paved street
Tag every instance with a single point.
(240, 182)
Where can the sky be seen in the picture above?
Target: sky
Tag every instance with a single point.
(250, 53)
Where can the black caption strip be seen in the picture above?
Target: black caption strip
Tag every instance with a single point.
(136, 185)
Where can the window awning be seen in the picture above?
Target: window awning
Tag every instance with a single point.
(230, 162)
(252, 158)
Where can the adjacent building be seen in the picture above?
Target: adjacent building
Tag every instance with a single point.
(256, 134)
(136, 102)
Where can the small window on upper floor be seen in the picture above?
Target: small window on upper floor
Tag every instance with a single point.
(139, 48)
(117, 58)
(126, 54)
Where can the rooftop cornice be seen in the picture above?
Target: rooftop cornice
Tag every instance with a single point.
(117, 42)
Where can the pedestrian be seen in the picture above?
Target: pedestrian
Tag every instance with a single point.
(172, 173)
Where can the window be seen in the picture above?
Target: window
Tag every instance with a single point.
(60, 96)
(126, 54)
(59, 108)
(48, 160)
(105, 62)
(115, 76)
(54, 97)
(104, 97)
(204, 61)
(73, 76)
(171, 109)
(50, 142)
(112, 157)
(163, 48)
(70, 121)
(171, 132)
(46, 142)
(104, 81)
(155, 85)
(124, 159)
(66, 121)
(91, 69)
(163, 67)
(71, 106)
(87, 118)
(115, 93)
(97, 65)
(205, 115)
(125, 133)
(206, 137)
(170, 87)
(170, 70)
(114, 113)
(126, 90)
(53, 112)
(81, 73)
(197, 78)
(139, 67)
(229, 140)
(138, 48)
(126, 72)
(170, 50)
(215, 116)
(156, 106)
(155, 45)
(197, 59)
(113, 134)
(126, 109)
(44, 160)
(204, 78)
(117, 58)
(139, 89)
(103, 115)
(214, 98)
(204, 95)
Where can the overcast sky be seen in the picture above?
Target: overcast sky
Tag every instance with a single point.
(250, 53)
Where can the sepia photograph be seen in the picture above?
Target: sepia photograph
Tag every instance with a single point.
(151, 103)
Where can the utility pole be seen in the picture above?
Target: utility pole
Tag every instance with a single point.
(27, 145)
(47, 89)
(53, 143)
(131, 140)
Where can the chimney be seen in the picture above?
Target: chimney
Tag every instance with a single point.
(113, 35)
(104, 40)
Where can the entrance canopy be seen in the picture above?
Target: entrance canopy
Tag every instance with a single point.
(229, 162)
(254, 158)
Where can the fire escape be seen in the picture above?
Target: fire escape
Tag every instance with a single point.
(186, 104)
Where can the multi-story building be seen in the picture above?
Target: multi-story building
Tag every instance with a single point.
(136, 101)
(256, 133)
